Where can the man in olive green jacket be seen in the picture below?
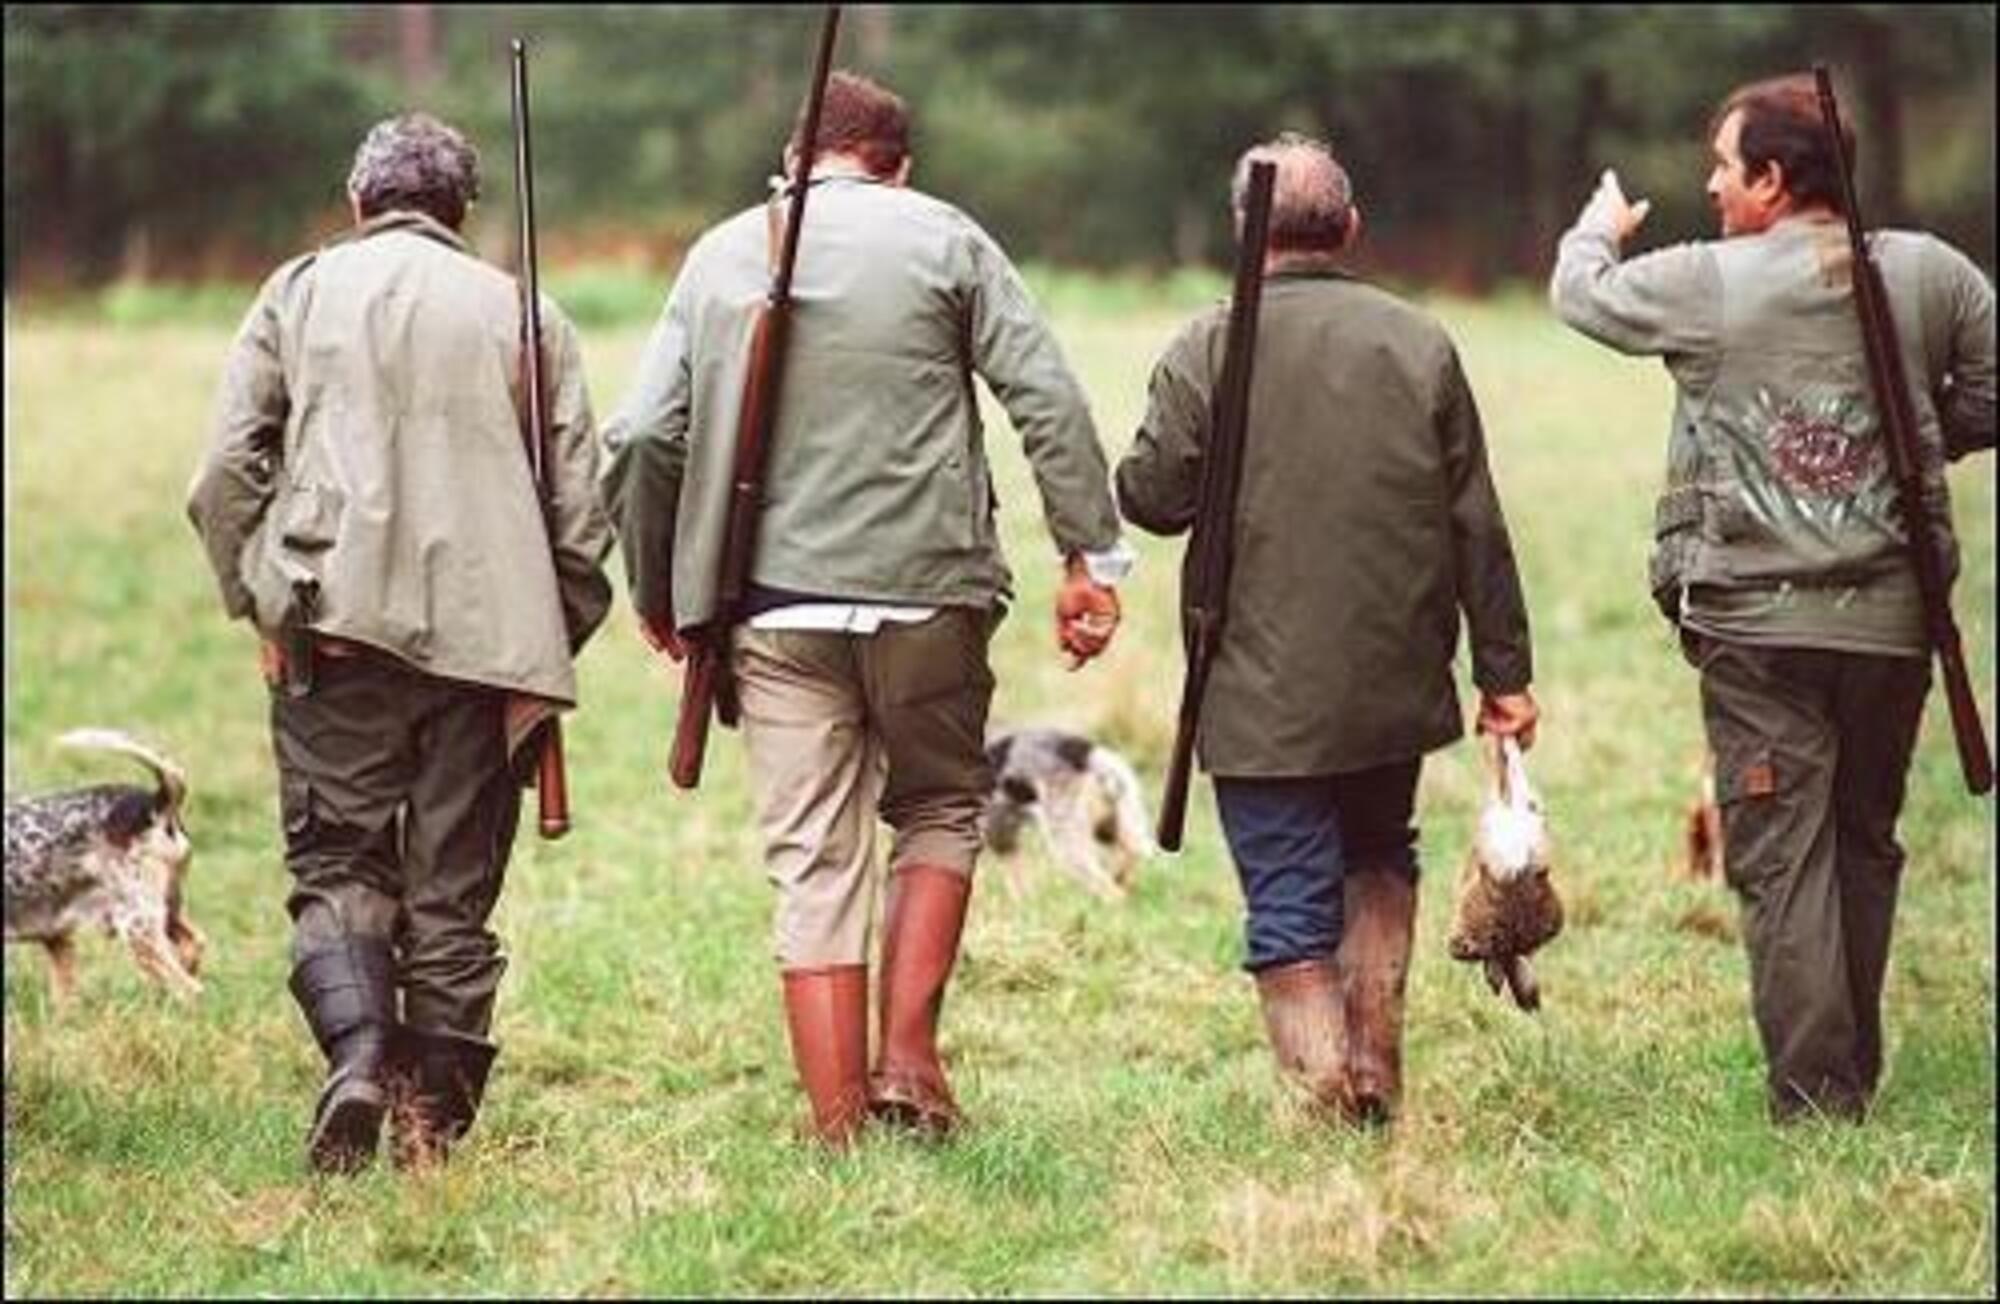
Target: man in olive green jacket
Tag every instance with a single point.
(877, 576)
(367, 505)
(1782, 553)
(1366, 523)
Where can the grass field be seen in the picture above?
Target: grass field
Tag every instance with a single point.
(1131, 1136)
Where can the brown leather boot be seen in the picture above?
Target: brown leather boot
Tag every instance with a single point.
(1304, 1018)
(1374, 965)
(921, 926)
(826, 1011)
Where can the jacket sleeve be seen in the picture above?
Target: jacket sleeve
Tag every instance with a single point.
(647, 445)
(1965, 402)
(579, 533)
(1015, 351)
(1668, 302)
(1489, 584)
(234, 485)
(1159, 478)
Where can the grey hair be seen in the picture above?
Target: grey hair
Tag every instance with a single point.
(415, 161)
(1312, 202)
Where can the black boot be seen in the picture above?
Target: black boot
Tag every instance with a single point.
(348, 994)
(443, 1078)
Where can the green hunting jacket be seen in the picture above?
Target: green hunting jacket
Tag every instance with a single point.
(367, 438)
(877, 486)
(1366, 524)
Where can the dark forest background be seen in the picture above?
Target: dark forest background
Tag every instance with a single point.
(197, 142)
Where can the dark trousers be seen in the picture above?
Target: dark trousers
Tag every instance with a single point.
(399, 812)
(1812, 752)
(1295, 839)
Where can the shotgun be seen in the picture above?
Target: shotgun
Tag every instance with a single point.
(551, 775)
(703, 690)
(1205, 570)
(1899, 427)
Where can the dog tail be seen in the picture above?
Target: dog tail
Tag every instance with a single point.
(1135, 826)
(172, 779)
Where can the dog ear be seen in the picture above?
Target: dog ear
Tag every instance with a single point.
(1074, 751)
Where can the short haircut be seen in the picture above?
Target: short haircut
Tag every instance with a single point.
(1782, 125)
(1312, 201)
(862, 118)
(414, 161)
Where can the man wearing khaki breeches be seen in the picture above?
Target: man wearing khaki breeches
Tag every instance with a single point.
(861, 665)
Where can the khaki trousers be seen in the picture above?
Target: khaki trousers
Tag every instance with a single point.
(1812, 751)
(843, 727)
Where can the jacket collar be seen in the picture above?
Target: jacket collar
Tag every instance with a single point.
(404, 219)
(1309, 267)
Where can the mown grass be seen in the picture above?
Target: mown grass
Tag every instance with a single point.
(1130, 1135)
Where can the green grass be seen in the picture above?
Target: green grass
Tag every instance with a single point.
(1130, 1134)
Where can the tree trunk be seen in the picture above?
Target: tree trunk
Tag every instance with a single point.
(417, 47)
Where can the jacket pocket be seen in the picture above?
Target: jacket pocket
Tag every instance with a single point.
(1757, 789)
(311, 521)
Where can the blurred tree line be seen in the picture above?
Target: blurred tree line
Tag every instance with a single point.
(206, 140)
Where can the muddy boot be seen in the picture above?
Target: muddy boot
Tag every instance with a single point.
(922, 922)
(347, 992)
(439, 1079)
(826, 1012)
(1374, 965)
(1304, 1018)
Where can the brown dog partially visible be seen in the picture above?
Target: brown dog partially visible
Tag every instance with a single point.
(113, 856)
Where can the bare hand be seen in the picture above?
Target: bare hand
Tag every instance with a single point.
(1087, 615)
(1510, 715)
(271, 660)
(1608, 207)
(660, 636)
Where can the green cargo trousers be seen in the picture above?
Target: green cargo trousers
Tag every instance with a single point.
(399, 812)
(1812, 751)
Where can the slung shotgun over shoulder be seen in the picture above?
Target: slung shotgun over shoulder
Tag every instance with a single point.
(1207, 565)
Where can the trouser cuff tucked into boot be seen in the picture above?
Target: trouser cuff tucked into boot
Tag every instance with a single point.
(347, 992)
(826, 1014)
(922, 923)
(441, 1080)
(1374, 965)
(1304, 1018)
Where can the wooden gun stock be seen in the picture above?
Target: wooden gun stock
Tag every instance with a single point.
(691, 728)
(1899, 430)
(552, 785)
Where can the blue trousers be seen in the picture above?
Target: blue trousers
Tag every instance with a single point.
(1293, 840)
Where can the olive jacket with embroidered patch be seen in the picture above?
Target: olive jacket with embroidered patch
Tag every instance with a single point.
(367, 438)
(1778, 478)
(1366, 523)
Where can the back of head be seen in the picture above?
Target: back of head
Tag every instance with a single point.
(1782, 125)
(1312, 201)
(862, 118)
(415, 162)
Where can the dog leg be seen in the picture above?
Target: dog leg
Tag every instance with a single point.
(62, 969)
(157, 958)
(190, 943)
(1070, 838)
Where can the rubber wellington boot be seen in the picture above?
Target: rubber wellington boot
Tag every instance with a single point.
(348, 995)
(923, 920)
(826, 1013)
(1374, 964)
(440, 1079)
(1304, 1018)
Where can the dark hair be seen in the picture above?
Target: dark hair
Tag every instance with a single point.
(1781, 125)
(861, 118)
(415, 162)
(1312, 202)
